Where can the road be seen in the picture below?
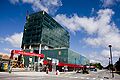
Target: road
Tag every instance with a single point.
(99, 75)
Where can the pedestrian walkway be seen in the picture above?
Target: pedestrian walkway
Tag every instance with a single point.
(66, 74)
(101, 75)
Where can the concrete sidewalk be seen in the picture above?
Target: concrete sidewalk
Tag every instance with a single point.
(37, 73)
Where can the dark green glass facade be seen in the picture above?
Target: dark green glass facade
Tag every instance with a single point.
(40, 28)
(66, 56)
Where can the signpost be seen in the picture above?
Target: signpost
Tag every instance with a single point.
(110, 46)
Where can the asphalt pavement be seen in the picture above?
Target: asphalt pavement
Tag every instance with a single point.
(99, 75)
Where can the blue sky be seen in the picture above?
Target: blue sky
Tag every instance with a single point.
(93, 25)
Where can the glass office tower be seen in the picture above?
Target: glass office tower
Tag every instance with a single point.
(42, 29)
(42, 34)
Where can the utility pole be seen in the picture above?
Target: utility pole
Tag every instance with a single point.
(110, 46)
(109, 64)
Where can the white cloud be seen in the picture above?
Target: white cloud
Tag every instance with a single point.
(109, 3)
(15, 40)
(106, 53)
(102, 26)
(68, 22)
(102, 57)
(1, 40)
(8, 49)
(94, 61)
(101, 29)
(96, 57)
(92, 11)
(94, 42)
(14, 1)
(89, 24)
(76, 23)
(50, 6)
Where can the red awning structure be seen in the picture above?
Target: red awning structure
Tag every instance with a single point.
(26, 53)
(45, 62)
(70, 65)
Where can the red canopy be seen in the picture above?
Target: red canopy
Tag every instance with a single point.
(26, 53)
(45, 62)
(69, 65)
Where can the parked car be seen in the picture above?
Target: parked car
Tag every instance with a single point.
(93, 69)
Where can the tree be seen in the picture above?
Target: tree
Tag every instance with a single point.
(97, 65)
(117, 65)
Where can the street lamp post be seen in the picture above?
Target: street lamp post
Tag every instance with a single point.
(75, 65)
(109, 64)
(110, 46)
